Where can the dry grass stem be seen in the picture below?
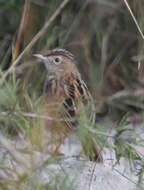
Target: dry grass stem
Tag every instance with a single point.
(134, 19)
(35, 39)
(45, 117)
(31, 115)
(124, 94)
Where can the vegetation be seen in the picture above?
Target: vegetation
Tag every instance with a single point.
(109, 50)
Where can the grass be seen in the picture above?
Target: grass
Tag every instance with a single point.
(104, 39)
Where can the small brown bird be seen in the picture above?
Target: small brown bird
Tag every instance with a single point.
(66, 96)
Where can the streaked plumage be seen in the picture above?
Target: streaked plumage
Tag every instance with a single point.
(66, 94)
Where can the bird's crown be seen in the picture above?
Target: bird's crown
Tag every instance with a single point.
(58, 52)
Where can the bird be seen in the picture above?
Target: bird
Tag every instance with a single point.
(66, 96)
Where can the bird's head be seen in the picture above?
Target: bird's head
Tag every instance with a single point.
(57, 60)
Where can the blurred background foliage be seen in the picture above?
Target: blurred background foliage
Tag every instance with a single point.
(100, 33)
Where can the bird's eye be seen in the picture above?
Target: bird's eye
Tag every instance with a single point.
(57, 60)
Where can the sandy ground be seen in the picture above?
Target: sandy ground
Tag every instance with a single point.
(75, 172)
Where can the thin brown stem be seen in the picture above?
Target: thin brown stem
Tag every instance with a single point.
(134, 19)
(35, 39)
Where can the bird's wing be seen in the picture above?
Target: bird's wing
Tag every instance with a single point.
(77, 96)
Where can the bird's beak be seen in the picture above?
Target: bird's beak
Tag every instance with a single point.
(43, 59)
(40, 56)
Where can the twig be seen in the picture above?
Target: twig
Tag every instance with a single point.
(94, 131)
(134, 19)
(136, 23)
(23, 24)
(35, 39)
(95, 164)
(125, 176)
(46, 117)
(124, 94)
(32, 115)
